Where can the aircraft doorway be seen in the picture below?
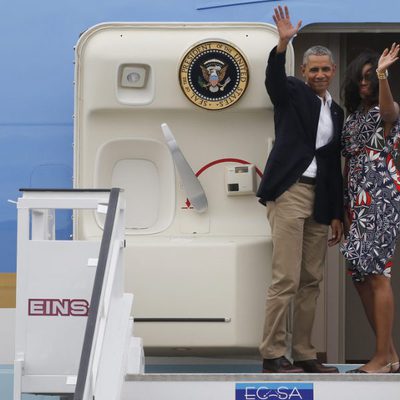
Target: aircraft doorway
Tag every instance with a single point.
(341, 325)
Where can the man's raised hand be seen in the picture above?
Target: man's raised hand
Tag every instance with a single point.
(285, 28)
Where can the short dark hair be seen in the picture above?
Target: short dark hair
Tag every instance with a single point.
(351, 84)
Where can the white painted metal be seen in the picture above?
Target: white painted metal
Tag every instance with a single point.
(191, 183)
(217, 277)
(145, 167)
(54, 286)
(214, 264)
(112, 341)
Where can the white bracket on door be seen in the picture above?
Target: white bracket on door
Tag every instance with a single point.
(194, 190)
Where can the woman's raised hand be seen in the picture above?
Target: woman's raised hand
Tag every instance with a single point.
(388, 57)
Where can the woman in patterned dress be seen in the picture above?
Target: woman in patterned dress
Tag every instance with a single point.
(370, 140)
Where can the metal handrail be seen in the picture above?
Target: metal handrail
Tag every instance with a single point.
(98, 286)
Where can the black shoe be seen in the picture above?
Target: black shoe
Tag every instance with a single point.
(315, 367)
(280, 365)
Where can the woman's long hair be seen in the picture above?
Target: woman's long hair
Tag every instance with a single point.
(351, 84)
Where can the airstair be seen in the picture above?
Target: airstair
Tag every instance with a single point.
(73, 324)
(74, 333)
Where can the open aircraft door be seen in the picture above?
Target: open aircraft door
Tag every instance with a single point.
(199, 274)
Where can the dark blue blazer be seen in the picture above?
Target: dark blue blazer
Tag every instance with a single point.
(296, 117)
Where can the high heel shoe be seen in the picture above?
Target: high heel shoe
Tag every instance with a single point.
(386, 369)
(395, 368)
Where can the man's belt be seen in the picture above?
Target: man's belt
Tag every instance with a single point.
(307, 180)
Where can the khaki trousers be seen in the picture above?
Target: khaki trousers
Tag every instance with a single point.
(299, 248)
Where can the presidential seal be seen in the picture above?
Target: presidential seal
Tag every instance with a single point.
(213, 75)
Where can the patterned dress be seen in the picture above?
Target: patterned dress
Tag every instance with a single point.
(372, 195)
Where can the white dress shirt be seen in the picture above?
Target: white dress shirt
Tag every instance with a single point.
(324, 132)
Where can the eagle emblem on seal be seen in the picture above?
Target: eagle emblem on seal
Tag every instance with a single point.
(213, 75)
